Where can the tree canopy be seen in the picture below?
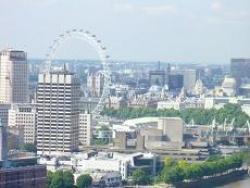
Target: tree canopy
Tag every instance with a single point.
(200, 116)
(174, 172)
(84, 181)
(60, 179)
(140, 177)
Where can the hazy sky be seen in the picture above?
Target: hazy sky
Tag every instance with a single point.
(208, 31)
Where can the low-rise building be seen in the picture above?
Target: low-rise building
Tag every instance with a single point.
(116, 102)
(85, 126)
(149, 133)
(24, 177)
(122, 163)
(106, 179)
(219, 102)
(23, 116)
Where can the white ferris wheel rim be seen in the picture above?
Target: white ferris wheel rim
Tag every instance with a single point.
(96, 44)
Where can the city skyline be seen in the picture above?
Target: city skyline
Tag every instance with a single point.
(177, 31)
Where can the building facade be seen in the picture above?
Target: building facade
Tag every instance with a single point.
(240, 68)
(157, 77)
(23, 116)
(4, 113)
(95, 84)
(57, 113)
(175, 81)
(13, 76)
(190, 78)
(24, 177)
(85, 123)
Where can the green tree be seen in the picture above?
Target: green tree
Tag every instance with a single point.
(68, 179)
(173, 175)
(140, 177)
(57, 180)
(84, 181)
(200, 116)
(50, 177)
(173, 172)
(62, 179)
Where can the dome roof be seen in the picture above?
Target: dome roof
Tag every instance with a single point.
(229, 82)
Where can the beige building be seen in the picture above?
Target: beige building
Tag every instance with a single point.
(23, 116)
(85, 124)
(172, 127)
(57, 113)
(13, 76)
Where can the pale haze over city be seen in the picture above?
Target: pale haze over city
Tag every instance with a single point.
(207, 31)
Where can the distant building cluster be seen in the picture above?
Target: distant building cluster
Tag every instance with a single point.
(51, 110)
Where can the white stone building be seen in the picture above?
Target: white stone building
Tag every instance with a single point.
(57, 113)
(23, 116)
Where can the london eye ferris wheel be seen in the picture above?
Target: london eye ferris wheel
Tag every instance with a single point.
(97, 45)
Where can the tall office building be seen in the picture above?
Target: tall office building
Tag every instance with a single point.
(57, 113)
(175, 81)
(23, 117)
(240, 69)
(189, 78)
(13, 76)
(157, 77)
(85, 123)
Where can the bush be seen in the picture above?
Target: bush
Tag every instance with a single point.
(84, 181)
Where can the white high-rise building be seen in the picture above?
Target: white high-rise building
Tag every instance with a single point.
(85, 124)
(13, 76)
(23, 116)
(57, 113)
